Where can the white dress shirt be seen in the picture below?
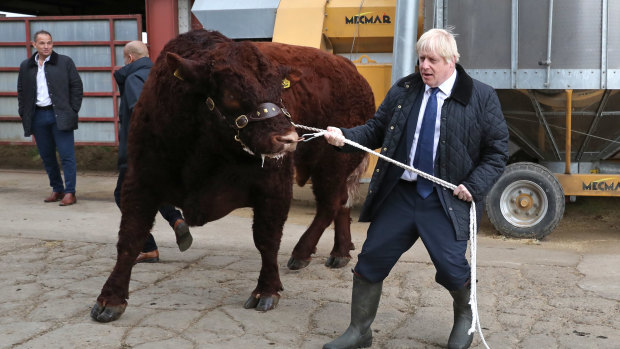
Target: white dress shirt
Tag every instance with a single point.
(445, 90)
(43, 96)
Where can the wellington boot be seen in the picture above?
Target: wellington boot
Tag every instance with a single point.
(364, 304)
(459, 339)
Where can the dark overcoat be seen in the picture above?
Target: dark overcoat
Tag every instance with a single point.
(65, 89)
(472, 149)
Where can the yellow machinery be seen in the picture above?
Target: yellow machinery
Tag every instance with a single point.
(342, 27)
(362, 31)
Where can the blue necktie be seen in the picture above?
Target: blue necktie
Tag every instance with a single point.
(423, 159)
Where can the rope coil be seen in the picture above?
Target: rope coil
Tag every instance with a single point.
(473, 301)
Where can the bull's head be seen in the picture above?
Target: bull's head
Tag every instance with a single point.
(242, 88)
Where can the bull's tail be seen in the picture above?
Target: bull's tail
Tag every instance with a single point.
(353, 182)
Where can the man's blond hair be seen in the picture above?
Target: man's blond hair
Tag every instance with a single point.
(137, 49)
(439, 41)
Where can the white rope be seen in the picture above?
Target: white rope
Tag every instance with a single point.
(472, 222)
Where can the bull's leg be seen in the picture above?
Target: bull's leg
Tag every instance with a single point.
(339, 256)
(269, 217)
(306, 246)
(136, 221)
(330, 185)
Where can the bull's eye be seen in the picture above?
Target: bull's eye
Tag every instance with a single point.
(230, 101)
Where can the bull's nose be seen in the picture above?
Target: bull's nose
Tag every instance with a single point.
(289, 140)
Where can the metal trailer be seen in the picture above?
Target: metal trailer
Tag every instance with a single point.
(556, 69)
(555, 66)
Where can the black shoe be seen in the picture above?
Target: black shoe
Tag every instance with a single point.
(184, 238)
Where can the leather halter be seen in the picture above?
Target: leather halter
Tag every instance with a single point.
(264, 111)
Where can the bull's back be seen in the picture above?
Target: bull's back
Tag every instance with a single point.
(330, 90)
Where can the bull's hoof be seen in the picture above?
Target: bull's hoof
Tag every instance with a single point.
(296, 264)
(337, 262)
(262, 303)
(107, 313)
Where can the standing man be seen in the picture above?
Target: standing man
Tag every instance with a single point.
(442, 122)
(49, 95)
(130, 80)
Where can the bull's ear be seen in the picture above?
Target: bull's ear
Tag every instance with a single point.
(291, 76)
(184, 69)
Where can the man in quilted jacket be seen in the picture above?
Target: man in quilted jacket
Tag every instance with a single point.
(442, 122)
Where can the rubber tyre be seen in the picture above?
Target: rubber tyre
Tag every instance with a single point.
(526, 202)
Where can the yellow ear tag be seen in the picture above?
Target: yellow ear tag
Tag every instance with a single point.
(178, 75)
(286, 83)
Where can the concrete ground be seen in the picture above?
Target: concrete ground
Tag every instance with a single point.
(562, 292)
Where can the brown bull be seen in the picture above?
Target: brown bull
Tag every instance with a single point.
(211, 133)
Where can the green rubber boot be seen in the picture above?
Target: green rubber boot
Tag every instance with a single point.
(459, 339)
(364, 304)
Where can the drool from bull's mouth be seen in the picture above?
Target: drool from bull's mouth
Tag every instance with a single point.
(277, 156)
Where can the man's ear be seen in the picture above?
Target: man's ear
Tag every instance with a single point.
(183, 69)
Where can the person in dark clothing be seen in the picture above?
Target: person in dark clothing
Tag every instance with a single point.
(130, 80)
(444, 123)
(49, 95)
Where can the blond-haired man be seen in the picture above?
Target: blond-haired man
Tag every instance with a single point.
(440, 121)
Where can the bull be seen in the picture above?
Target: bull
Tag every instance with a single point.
(214, 130)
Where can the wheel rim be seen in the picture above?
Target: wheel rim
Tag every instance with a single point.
(524, 203)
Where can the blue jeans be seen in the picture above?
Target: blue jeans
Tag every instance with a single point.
(49, 139)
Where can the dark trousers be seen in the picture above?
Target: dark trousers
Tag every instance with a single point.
(404, 218)
(169, 212)
(49, 139)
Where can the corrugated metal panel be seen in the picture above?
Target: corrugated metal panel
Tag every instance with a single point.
(97, 107)
(125, 30)
(100, 132)
(613, 39)
(8, 81)
(13, 131)
(489, 14)
(87, 56)
(505, 43)
(576, 33)
(87, 30)
(13, 31)
(244, 19)
(8, 105)
(96, 81)
(118, 55)
(12, 56)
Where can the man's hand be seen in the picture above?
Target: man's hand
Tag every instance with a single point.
(462, 193)
(334, 136)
